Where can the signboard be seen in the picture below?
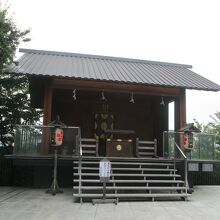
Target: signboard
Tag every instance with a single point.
(104, 170)
(193, 166)
(207, 167)
(104, 174)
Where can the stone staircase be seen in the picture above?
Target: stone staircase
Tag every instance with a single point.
(131, 179)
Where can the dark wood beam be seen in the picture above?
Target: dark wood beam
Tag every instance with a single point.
(114, 87)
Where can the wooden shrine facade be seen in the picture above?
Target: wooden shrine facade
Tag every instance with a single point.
(146, 116)
(97, 93)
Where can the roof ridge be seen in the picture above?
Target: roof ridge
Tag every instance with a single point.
(57, 53)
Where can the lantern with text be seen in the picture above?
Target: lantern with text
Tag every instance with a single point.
(187, 140)
(56, 139)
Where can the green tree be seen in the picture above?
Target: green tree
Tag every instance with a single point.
(212, 127)
(15, 106)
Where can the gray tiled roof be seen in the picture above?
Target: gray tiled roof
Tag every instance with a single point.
(113, 69)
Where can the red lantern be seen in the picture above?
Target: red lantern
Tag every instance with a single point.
(57, 137)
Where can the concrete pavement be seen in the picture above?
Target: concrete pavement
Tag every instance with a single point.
(24, 204)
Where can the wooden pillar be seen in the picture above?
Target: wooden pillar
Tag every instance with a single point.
(48, 95)
(160, 113)
(166, 118)
(180, 110)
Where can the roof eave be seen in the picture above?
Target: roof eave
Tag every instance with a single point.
(121, 82)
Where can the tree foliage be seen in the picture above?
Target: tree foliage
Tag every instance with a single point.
(212, 127)
(10, 37)
(15, 107)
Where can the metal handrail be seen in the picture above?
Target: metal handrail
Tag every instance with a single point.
(180, 151)
(185, 165)
(80, 169)
(78, 152)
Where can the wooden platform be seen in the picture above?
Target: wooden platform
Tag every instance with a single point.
(36, 171)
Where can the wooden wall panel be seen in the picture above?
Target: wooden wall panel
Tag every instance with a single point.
(138, 116)
(146, 116)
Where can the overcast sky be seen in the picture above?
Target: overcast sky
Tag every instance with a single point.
(179, 31)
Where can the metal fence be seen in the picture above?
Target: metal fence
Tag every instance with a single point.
(203, 145)
(30, 139)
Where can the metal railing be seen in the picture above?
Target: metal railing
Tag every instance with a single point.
(27, 140)
(185, 165)
(203, 145)
(31, 139)
(80, 170)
